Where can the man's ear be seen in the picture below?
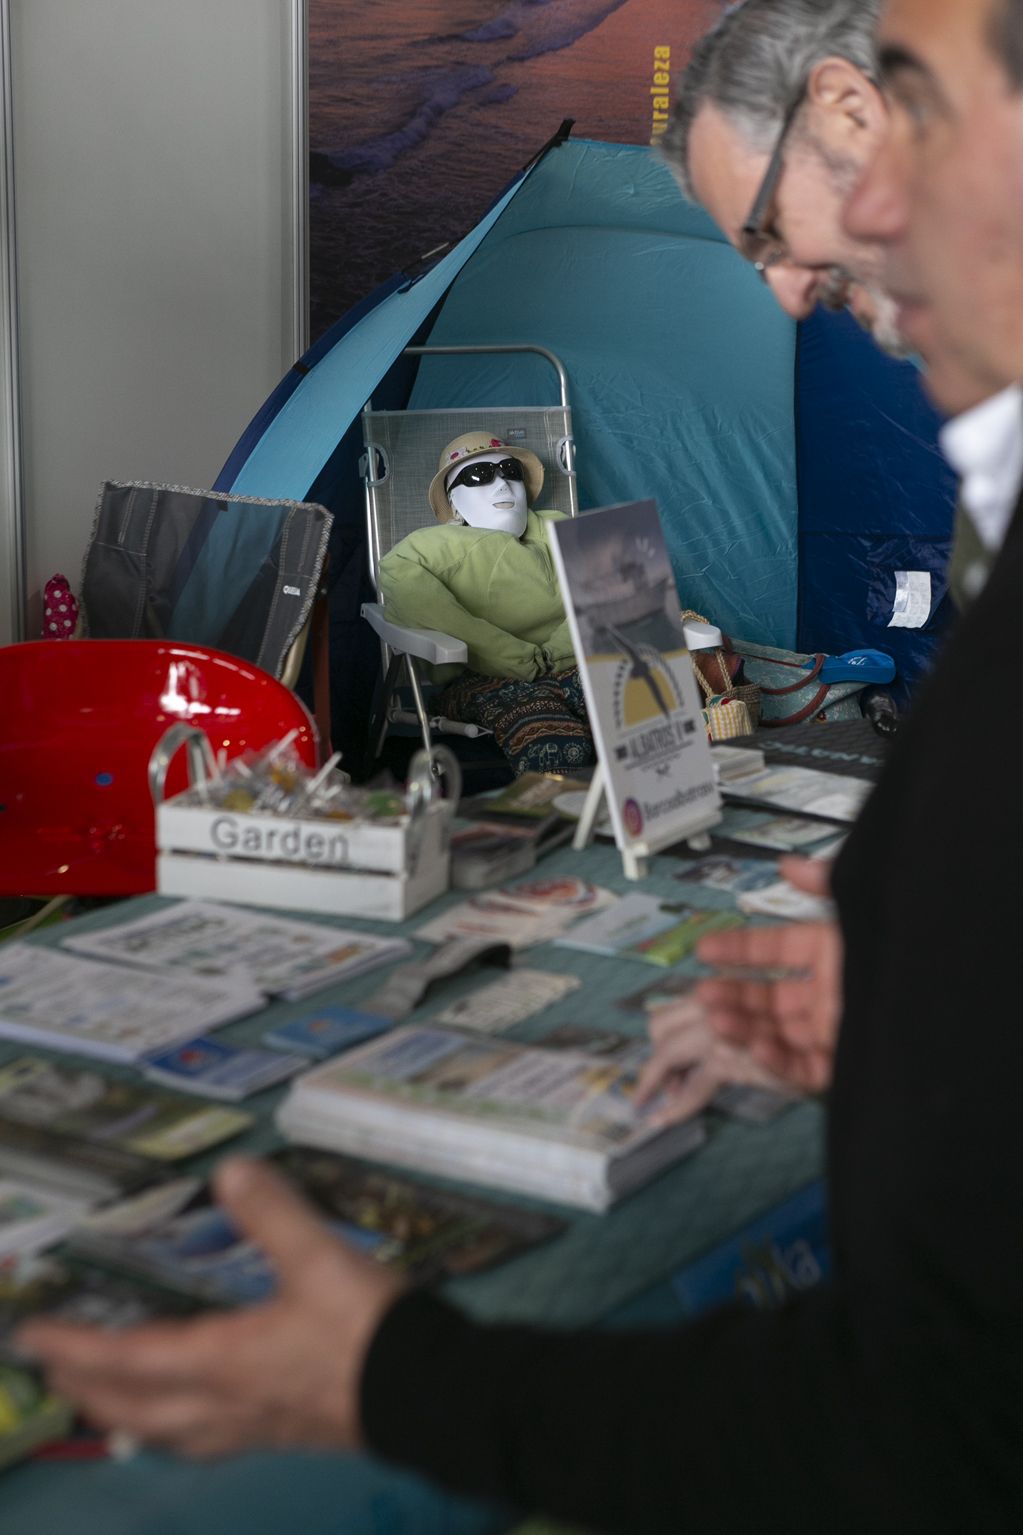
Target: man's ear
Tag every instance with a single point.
(846, 105)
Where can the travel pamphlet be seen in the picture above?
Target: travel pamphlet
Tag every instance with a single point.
(641, 696)
(521, 914)
(325, 1032)
(276, 956)
(32, 1218)
(84, 1104)
(408, 985)
(499, 1005)
(179, 1237)
(728, 876)
(486, 916)
(71, 1165)
(808, 791)
(779, 833)
(558, 1124)
(647, 928)
(217, 1070)
(62, 1001)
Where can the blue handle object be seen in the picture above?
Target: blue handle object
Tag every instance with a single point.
(857, 666)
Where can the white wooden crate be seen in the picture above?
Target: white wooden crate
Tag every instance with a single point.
(345, 868)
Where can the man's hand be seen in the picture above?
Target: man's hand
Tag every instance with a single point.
(690, 1062)
(283, 1373)
(775, 1029)
(788, 1022)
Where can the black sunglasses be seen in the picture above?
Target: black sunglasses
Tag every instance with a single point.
(484, 473)
(753, 232)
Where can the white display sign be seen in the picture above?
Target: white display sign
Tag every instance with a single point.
(644, 706)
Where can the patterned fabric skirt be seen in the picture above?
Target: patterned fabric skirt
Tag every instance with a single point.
(540, 726)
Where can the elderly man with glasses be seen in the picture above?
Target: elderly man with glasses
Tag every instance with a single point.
(777, 113)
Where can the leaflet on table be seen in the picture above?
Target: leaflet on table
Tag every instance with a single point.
(564, 897)
(501, 1004)
(780, 833)
(279, 956)
(52, 998)
(70, 1165)
(177, 1236)
(325, 1032)
(730, 876)
(84, 1104)
(32, 1218)
(645, 927)
(641, 696)
(731, 762)
(217, 1070)
(831, 795)
(521, 915)
(407, 985)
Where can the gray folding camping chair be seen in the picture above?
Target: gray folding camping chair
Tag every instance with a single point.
(402, 448)
(237, 573)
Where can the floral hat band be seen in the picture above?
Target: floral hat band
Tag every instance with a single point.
(472, 445)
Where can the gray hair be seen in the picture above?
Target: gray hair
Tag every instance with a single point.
(753, 63)
(1007, 38)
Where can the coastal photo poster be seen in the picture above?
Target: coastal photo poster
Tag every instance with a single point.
(641, 695)
(421, 111)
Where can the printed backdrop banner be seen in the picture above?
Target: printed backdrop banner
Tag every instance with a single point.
(422, 110)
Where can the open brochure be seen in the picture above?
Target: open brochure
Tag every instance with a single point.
(278, 956)
(63, 1002)
(560, 1125)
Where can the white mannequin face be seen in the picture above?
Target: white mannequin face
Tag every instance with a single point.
(500, 506)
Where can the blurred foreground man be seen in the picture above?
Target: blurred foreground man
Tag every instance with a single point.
(892, 1399)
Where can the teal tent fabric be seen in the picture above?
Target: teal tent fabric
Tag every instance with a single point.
(680, 367)
(290, 453)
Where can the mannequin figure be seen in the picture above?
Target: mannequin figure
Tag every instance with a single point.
(484, 573)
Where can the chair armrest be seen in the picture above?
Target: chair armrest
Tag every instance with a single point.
(428, 644)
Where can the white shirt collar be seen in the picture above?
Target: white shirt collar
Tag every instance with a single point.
(985, 447)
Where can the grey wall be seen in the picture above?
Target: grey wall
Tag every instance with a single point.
(159, 206)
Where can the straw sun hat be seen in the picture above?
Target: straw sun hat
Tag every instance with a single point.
(462, 450)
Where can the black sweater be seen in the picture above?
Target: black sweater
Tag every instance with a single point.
(892, 1399)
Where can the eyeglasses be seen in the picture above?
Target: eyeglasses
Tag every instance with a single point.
(759, 245)
(483, 472)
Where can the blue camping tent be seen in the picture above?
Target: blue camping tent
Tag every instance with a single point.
(795, 468)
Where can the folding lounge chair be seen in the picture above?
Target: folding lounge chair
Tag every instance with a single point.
(237, 573)
(402, 448)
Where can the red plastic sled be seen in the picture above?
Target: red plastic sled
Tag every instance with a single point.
(78, 721)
